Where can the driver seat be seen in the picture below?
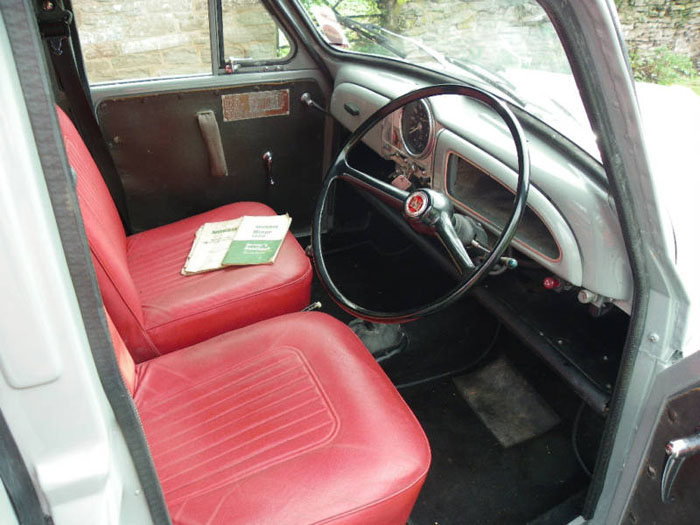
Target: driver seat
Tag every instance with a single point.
(156, 309)
(287, 421)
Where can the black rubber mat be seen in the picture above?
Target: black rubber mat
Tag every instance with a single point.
(473, 479)
(506, 403)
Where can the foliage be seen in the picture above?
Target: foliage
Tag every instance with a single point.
(362, 11)
(662, 66)
(347, 7)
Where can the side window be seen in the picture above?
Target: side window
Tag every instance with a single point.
(137, 39)
(250, 33)
(150, 39)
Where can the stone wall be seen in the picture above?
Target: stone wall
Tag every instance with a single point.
(650, 24)
(473, 25)
(646, 24)
(157, 38)
(130, 39)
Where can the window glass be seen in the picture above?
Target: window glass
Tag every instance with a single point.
(142, 39)
(250, 32)
(138, 39)
(508, 47)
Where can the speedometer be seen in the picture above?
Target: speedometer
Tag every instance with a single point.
(416, 127)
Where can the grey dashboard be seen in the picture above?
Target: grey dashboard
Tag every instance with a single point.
(570, 226)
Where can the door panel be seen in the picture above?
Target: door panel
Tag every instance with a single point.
(680, 418)
(163, 161)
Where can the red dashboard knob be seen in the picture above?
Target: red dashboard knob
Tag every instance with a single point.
(551, 283)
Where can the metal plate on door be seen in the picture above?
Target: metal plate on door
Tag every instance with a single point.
(255, 104)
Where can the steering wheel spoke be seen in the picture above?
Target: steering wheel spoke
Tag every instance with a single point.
(379, 188)
(445, 231)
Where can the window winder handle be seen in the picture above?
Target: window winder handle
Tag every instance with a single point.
(267, 159)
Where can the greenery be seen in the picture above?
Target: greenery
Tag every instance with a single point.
(663, 66)
(348, 7)
(362, 11)
(693, 84)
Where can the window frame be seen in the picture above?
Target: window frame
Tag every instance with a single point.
(218, 58)
(216, 38)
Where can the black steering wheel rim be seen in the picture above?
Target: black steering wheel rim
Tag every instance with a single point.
(340, 170)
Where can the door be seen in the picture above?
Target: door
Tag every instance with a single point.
(200, 105)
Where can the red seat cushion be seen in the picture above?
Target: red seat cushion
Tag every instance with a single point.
(157, 310)
(289, 420)
(180, 310)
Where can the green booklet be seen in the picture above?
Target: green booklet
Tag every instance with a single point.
(257, 241)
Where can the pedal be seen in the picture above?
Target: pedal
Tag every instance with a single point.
(382, 340)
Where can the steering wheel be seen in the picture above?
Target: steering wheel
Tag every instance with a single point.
(428, 211)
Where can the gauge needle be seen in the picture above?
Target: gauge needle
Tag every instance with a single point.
(417, 128)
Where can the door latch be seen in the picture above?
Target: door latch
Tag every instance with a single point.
(677, 450)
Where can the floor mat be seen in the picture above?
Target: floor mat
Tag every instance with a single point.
(473, 479)
(506, 403)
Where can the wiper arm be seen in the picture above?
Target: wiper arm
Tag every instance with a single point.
(488, 77)
(377, 34)
(435, 55)
(369, 31)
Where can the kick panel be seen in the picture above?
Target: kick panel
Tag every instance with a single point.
(163, 160)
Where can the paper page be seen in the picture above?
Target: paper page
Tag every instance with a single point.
(210, 245)
(258, 240)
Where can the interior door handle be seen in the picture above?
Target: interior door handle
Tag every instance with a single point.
(212, 140)
(677, 451)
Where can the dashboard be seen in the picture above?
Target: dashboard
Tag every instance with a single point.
(462, 148)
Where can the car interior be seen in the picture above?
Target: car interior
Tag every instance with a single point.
(439, 338)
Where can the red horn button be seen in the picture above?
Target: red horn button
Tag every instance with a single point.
(416, 204)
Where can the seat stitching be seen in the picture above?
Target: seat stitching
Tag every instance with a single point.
(232, 422)
(226, 371)
(335, 421)
(181, 420)
(201, 398)
(257, 467)
(182, 406)
(237, 434)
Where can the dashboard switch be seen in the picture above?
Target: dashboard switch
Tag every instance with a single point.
(551, 283)
(587, 297)
(351, 108)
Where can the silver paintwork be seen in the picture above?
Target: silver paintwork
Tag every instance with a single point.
(574, 207)
(50, 394)
(104, 91)
(367, 100)
(667, 306)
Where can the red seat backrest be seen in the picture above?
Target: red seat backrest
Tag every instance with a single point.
(124, 360)
(106, 237)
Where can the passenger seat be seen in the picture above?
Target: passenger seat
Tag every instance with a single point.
(154, 307)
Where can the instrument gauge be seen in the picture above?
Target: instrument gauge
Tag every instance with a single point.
(416, 127)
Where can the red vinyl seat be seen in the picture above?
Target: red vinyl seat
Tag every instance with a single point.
(155, 308)
(287, 421)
